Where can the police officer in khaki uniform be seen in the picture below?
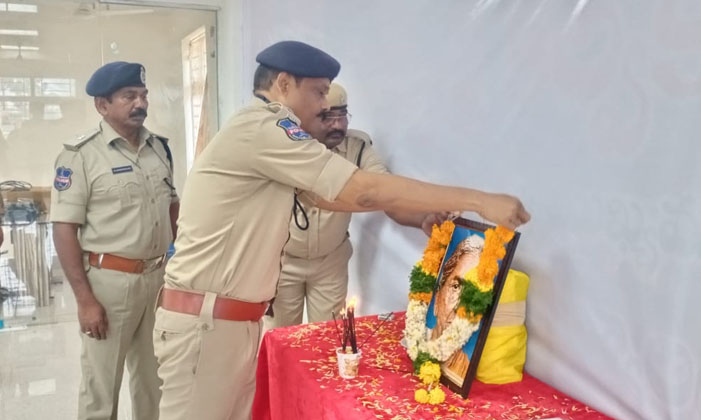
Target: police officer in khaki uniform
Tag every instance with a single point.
(234, 223)
(315, 261)
(114, 208)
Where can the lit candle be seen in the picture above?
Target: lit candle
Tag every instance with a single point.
(351, 324)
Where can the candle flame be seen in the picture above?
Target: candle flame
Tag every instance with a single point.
(352, 302)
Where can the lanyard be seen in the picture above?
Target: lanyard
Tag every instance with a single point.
(298, 206)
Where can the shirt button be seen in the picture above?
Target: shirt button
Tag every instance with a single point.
(153, 201)
(156, 223)
(147, 177)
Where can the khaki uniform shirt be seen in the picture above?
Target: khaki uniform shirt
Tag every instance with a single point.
(327, 229)
(121, 198)
(237, 202)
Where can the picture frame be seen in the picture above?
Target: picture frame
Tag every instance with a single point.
(458, 372)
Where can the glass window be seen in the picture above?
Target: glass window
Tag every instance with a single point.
(52, 112)
(50, 48)
(12, 113)
(54, 87)
(15, 86)
(19, 7)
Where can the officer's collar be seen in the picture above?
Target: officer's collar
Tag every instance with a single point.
(342, 147)
(109, 134)
(258, 101)
(262, 98)
(275, 107)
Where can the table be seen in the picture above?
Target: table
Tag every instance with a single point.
(297, 379)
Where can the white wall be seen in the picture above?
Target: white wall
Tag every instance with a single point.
(588, 110)
(230, 46)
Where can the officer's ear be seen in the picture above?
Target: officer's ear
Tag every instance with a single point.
(285, 81)
(101, 104)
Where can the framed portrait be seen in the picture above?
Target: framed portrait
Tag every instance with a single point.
(462, 255)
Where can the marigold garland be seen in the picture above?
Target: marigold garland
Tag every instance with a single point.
(423, 297)
(475, 297)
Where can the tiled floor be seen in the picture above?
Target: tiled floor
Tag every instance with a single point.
(39, 363)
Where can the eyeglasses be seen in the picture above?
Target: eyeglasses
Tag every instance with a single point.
(330, 119)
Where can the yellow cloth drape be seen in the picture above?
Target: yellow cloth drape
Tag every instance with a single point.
(504, 352)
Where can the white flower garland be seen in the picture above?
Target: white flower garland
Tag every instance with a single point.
(441, 348)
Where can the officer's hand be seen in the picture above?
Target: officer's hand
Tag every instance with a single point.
(92, 319)
(504, 210)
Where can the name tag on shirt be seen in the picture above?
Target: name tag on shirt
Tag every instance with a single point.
(122, 169)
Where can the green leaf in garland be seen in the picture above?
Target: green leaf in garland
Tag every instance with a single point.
(474, 300)
(420, 282)
(422, 358)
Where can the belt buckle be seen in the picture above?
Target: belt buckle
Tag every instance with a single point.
(100, 257)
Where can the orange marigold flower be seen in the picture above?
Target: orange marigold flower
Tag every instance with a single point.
(500, 252)
(488, 254)
(461, 312)
(504, 234)
(430, 266)
(487, 271)
(445, 233)
(432, 243)
(423, 297)
(474, 318)
(432, 261)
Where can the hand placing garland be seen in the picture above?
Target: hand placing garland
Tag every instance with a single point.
(475, 298)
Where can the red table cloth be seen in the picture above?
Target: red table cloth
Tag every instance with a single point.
(297, 378)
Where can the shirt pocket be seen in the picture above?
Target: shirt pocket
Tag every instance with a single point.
(162, 183)
(118, 190)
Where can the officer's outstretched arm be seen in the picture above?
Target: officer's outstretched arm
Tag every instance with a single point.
(368, 191)
(423, 221)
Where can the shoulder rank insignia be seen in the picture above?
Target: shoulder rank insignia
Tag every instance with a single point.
(292, 130)
(360, 135)
(78, 141)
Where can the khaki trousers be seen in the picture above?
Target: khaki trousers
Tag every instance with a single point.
(321, 282)
(128, 300)
(207, 365)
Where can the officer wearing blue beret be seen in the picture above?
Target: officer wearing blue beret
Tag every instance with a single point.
(114, 208)
(234, 223)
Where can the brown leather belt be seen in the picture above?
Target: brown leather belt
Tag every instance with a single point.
(224, 308)
(125, 265)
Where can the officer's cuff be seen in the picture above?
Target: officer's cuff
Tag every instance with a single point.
(67, 213)
(333, 178)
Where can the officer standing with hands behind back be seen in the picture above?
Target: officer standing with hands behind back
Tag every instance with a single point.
(114, 209)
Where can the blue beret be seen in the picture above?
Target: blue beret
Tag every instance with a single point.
(114, 76)
(299, 59)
